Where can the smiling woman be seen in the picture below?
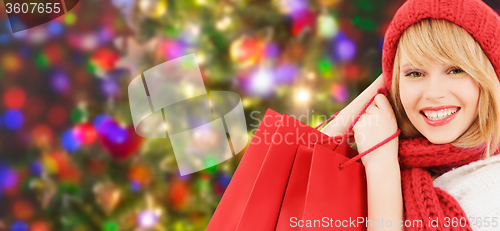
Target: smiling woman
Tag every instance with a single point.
(445, 88)
(440, 103)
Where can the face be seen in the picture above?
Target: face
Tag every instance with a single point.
(440, 99)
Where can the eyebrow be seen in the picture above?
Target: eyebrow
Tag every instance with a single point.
(406, 66)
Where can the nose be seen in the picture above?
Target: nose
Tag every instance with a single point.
(435, 88)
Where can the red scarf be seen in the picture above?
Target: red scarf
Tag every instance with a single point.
(422, 201)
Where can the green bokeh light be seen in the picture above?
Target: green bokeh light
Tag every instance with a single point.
(110, 226)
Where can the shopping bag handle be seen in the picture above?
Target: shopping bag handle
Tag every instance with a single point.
(381, 90)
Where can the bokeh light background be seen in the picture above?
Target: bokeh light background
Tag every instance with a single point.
(69, 158)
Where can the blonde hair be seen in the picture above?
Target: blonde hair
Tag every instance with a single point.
(436, 40)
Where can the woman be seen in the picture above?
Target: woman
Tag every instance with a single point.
(441, 63)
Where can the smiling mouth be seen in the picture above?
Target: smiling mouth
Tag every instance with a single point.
(440, 114)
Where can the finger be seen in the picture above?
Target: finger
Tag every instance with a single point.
(361, 120)
(370, 109)
(367, 111)
(382, 102)
(373, 102)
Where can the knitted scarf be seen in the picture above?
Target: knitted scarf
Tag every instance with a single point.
(422, 201)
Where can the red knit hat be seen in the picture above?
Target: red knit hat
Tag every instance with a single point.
(477, 18)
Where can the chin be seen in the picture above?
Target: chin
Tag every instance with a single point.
(440, 139)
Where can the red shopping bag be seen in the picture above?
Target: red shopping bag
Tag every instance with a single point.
(296, 189)
(254, 196)
(294, 202)
(336, 198)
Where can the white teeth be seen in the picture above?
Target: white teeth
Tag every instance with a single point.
(440, 114)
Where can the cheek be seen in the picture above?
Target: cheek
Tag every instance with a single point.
(468, 92)
(409, 96)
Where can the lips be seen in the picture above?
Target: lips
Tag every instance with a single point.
(438, 116)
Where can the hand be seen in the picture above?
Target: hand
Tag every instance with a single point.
(376, 124)
(339, 124)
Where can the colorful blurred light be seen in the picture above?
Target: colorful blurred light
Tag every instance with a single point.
(223, 180)
(286, 73)
(100, 120)
(36, 168)
(55, 28)
(22, 209)
(303, 20)
(223, 23)
(60, 82)
(178, 193)
(135, 186)
(351, 71)
(14, 98)
(110, 87)
(272, 50)
(153, 8)
(42, 135)
(49, 163)
(10, 62)
(55, 54)
(247, 50)
(325, 67)
(8, 177)
(261, 82)
(327, 26)
(302, 96)
(364, 23)
(140, 174)
(340, 92)
(19, 226)
(147, 219)
(344, 48)
(172, 49)
(110, 226)
(291, 6)
(104, 59)
(69, 18)
(41, 60)
(79, 114)
(106, 33)
(55, 162)
(70, 141)
(85, 133)
(13, 119)
(40, 226)
(114, 132)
